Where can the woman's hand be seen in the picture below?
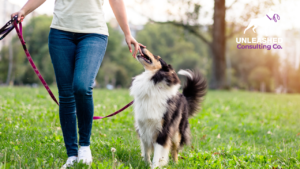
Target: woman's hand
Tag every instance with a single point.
(27, 8)
(119, 10)
(130, 40)
(21, 15)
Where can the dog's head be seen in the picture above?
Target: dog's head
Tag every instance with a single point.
(149, 61)
(162, 70)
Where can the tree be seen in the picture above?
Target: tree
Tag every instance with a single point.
(10, 65)
(218, 46)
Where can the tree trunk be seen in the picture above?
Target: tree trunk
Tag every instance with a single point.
(218, 46)
(10, 65)
(262, 87)
(228, 69)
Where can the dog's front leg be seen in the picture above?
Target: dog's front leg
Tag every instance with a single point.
(157, 155)
(146, 150)
(161, 155)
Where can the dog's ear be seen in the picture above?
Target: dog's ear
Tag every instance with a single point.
(170, 67)
(164, 65)
(156, 57)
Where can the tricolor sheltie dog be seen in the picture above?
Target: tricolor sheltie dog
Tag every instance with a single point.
(161, 112)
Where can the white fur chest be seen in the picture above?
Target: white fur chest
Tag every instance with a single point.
(150, 104)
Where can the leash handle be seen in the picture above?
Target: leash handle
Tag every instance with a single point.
(20, 35)
(5, 30)
(115, 113)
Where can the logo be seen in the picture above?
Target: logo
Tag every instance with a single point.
(262, 22)
(265, 42)
(274, 18)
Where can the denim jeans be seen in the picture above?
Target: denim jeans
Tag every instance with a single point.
(76, 58)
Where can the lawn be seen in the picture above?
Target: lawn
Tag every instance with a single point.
(233, 130)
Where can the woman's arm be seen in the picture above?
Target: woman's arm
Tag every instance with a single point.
(119, 10)
(30, 6)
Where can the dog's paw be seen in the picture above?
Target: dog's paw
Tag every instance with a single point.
(153, 166)
(162, 162)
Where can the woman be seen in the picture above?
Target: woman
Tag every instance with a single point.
(77, 44)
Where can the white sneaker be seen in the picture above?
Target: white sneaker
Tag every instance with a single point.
(70, 162)
(85, 155)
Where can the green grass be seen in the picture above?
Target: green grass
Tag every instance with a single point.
(233, 130)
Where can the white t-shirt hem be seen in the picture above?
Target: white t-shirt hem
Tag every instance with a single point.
(98, 31)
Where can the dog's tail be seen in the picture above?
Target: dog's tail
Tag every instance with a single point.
(194, 90)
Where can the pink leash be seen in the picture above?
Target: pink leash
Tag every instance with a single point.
(115, 113)
(20, 35)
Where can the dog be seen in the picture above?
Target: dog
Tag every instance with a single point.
(161, 113)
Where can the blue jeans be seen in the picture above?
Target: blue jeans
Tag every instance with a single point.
(76, 58)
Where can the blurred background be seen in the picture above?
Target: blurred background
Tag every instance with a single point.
(188, 34)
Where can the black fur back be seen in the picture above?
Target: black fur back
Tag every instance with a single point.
(194, 90)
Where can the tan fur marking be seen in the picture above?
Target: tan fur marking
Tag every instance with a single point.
(168, 144)
(175, 146)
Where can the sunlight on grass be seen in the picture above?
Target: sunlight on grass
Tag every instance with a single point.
(233, 130)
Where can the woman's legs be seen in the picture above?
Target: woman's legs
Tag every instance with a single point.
(90, 51)
(62, 49)
(76, 60)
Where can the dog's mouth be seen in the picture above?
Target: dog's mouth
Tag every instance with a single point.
(145, 57)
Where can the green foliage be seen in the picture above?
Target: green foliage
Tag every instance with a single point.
(118, 65)
(176, 46)
(36, 38)
(233, 130)
(259, 75)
